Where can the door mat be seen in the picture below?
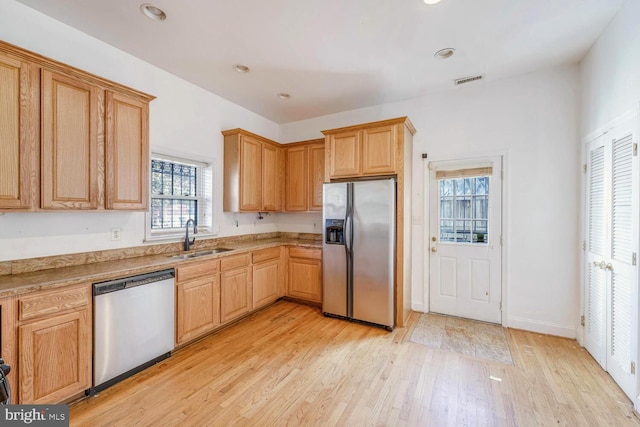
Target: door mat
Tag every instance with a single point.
(469, 337)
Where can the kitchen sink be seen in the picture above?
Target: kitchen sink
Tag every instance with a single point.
(200, 253)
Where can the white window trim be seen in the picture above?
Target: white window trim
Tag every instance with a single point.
(205, 208)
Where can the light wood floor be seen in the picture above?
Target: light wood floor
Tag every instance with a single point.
(289, 365)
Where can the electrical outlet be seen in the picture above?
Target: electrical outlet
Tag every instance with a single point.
(115, 234)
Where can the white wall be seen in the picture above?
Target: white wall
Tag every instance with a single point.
(610, 72)
(532, 119)
(184, 121)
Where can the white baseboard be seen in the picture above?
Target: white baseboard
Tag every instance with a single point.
(541, 327)
(419, 307)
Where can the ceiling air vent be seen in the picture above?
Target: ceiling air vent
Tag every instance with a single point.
(470, 79)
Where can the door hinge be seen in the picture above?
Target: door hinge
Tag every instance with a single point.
(501, 174)
(582, 320)
(584, 245)
(584, 168)
(633, 368)
(500, 305)
(634, 258)
(501, 240)
(635, 148)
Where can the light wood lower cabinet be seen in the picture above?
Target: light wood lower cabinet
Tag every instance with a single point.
(197, 299)
(305, 274)
(55, 350)
(235, 287)
(198, 303)
(267, 276)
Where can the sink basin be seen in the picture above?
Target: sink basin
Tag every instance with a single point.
(200, 253)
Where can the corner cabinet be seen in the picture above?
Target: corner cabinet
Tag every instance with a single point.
(252, 173)
(267, 275)
(304, 175)
(236, 297)
(70, 140)
(380, 149)
(54, 345)
(305, 274)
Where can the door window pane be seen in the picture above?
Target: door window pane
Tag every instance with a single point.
(464, 210)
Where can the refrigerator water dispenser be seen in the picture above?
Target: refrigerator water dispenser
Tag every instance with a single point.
(334, 231)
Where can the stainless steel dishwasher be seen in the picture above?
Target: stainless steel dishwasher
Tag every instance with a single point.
(133, 325)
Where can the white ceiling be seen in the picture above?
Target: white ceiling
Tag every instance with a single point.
(338, 55)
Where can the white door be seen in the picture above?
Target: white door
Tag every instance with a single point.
(611, 294)
(465, 204)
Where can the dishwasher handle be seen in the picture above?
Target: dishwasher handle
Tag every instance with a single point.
(102, 288)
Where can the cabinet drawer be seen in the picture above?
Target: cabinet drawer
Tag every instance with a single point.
(43, 304)
(200, 269)
(309, 253)
(234, 261)
(265, 254)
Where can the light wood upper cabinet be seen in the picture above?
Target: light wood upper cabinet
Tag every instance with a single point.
(379, 150)
(252, 173)
(296, 179)
(127, 152)
(55, 347)
(70, 155)
(17, 150)
(370, 149)
(316, 175)
(304, 176)
(272, 158)
(65, 134)
(343, 158)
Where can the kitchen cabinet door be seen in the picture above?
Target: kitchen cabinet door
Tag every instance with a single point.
(316, 176)
(266, 276)
(305, 274)
(55, 357)
(296, 179)
(70, 149)
(198, 307)
(235, 293)
(379, 146)
(127, 152)
(343, 154)
(250, 174)
(271, 181)
(17, 133)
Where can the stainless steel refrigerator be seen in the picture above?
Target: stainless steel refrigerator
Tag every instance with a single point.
(358, 250)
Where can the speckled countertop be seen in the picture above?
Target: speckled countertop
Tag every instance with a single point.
(14, 284)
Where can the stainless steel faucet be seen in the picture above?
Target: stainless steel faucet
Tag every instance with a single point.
(187, 242)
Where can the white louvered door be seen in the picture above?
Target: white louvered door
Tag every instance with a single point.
(611, 319)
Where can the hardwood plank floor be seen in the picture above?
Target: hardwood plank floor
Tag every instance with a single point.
(289, 365)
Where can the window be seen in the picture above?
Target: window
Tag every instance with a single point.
(179, 192)
(464, 209)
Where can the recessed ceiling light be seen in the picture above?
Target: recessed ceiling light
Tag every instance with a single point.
(241, 68)
(283, 95)
(152, 12)
(431, 1)
(444, 53)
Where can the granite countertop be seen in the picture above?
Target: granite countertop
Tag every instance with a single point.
(14, 284)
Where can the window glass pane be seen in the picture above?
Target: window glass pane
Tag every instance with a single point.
(175, 182)
(464, 206)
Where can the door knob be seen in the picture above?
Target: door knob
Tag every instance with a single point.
(434, 249)
(609, 267)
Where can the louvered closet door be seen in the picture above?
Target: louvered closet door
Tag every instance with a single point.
(611, 292)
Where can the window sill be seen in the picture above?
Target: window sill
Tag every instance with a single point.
(169, 238)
